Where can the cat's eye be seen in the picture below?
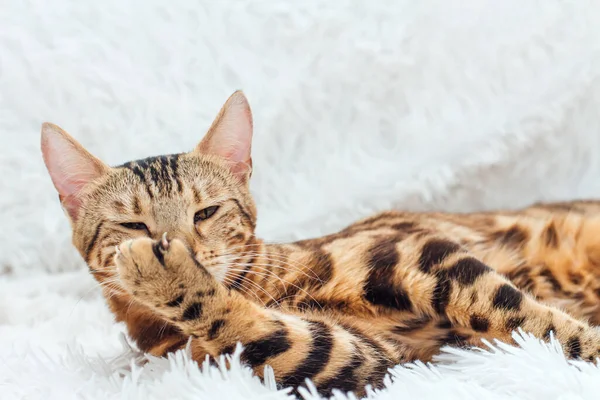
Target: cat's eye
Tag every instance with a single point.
(135, 226)
(205, 213)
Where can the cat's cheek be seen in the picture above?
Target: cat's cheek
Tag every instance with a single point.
(121, 262)
(218, 272)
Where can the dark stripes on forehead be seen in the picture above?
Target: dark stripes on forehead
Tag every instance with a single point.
(159, 171)
(174, 164)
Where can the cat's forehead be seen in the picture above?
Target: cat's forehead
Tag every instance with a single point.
(168, 176)
(171, 167)
(154, 164)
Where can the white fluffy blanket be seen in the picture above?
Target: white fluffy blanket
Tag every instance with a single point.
(359, 106)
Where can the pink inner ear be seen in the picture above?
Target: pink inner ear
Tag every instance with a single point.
(69, 169)
(71, 204)
(235, 148)
(70, 197)
(230, 136)
(70, 166)
(68, 183)
(242, 168)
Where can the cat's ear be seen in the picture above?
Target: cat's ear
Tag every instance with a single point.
(230, 135)
(71, 167)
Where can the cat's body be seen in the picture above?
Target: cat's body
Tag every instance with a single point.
(340, 309)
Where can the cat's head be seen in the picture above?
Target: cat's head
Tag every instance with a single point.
(201, 197)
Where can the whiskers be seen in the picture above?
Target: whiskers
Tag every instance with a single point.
(264, 265)
(285, 263)
(247, 291)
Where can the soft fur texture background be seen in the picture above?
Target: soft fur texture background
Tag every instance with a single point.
(358, 106)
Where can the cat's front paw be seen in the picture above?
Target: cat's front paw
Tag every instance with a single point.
(164, 275)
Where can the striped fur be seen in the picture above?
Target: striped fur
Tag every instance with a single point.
(339, 309)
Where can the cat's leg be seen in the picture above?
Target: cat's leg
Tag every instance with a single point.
(472, 295)
(333, 353)
(151, 333)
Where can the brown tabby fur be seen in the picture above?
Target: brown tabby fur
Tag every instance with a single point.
(339, 309)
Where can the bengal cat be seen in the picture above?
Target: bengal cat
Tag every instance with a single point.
(171, 241)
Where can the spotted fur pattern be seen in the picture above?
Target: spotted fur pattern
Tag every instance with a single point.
(340, 309)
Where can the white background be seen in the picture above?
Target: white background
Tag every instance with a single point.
(359, 106)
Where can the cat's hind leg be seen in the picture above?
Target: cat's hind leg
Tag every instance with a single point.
(472, 295)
